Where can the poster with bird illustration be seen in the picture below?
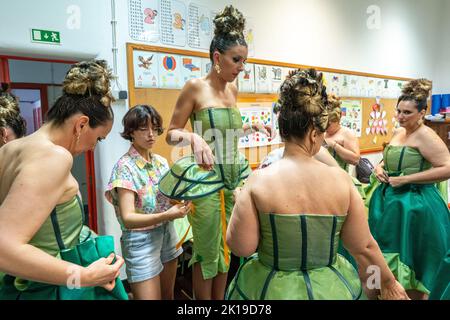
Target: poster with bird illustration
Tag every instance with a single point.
(145, 66)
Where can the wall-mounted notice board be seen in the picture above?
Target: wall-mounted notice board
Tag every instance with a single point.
(157, 74)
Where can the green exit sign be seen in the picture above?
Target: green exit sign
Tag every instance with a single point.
(45, 36)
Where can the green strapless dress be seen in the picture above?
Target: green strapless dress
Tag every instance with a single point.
(411, 223)
(63, 229)
(441, 289)
(211, 192)
(297, 260)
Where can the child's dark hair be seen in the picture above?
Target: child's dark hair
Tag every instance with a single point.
(139, 117)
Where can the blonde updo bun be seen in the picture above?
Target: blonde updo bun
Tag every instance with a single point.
(417, 90)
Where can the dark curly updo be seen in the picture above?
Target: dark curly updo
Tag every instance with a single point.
(303, 104)
(228, 32)
(417, 90)
(86, 90)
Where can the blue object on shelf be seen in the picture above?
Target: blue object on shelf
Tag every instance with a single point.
(436, 103)
(445, 101)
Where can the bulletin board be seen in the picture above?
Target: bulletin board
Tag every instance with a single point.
(375, 113)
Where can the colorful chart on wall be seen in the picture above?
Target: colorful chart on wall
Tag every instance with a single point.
(378, 121)
(191, 68)
(144, 20)
(173, 22)
(200, 30)
(249, 35)
(246, 79)
(145, 66)
(352, 115)
(262, 79)
(253, 113)
(170, 75)
(206, 66)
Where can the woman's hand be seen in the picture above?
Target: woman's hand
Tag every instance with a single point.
(202, 152)
(380, 174)
(332, 142)
(265, 129)
(398, 181)
(103, 273)
(394, 292)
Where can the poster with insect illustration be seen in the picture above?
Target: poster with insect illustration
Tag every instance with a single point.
(200, 30)
(173, 22)
(145, 66)
(144, 20)
(253, 113)
(246, 79)
(169, 67)
(262, 79)
(351, 116)
(191, 68)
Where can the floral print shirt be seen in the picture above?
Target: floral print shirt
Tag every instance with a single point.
(134, 173)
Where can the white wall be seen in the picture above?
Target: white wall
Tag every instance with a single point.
(441, 75)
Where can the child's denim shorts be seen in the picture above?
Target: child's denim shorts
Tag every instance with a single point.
(145, 252)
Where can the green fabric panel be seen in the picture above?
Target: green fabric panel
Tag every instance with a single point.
(411, 163)
(414, 222)
(441, 289)
(70, 220)
(290, 285)
(341, 162)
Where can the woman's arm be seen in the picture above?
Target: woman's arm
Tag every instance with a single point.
(177, 135)
(34, 193)
(133, 220)
(325, 157)
(243, 229)
(348, 149)
(358, 240)
(434, 150)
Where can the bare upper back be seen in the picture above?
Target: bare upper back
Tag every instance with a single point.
(293, 186)
(25, 153)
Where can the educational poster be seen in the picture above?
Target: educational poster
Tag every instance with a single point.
(252, 113)
(275, 77)
(249, 36)
(144, 20)
(334, 84)
(377, 124)
(355, 87)
(246, 79)
(170, 76)
(344, 89)
(206, 66)
(191, 68)
(145, 66)
(200, 27)
(262, 79)
(352, 115)
(371, 87)
(173, 23)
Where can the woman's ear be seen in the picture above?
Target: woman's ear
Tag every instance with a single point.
(216, 57)
(3, 136)
(81, 123)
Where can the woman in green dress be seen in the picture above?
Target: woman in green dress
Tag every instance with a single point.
(294, 220)
(407, 215)
(212, 173)
(40, 213)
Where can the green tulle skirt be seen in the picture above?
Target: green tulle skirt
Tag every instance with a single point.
(411, 224)
(257, 281)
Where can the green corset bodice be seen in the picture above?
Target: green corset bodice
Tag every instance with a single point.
(70, 219)
(341, 162)
(221, 128)
(299, 241)
(404, 160)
